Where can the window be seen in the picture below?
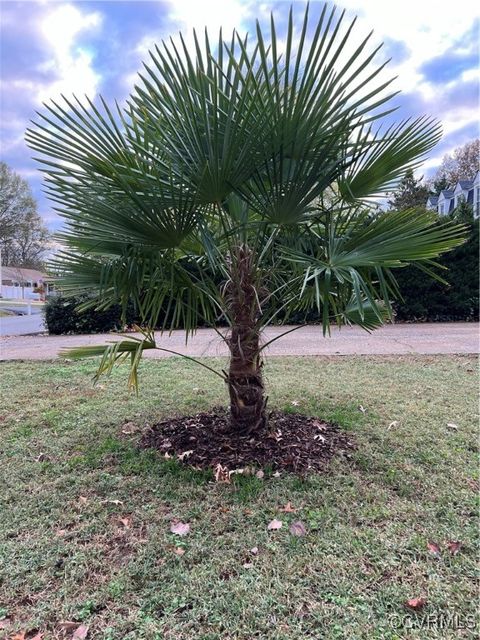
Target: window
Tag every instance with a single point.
(477, 201)
(441, 209)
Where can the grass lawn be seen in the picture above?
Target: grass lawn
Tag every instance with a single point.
(85, 517)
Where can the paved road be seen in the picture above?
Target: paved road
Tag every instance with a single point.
(21, 325)
(435, 338)
(22, 309)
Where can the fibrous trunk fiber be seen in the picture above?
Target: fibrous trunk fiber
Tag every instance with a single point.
(245, 382)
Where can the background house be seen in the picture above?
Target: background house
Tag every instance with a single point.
(24, 284)
(448, 199)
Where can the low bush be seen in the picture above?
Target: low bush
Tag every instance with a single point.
(62, 316)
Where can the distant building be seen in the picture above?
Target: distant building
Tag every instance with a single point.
(20, 283)
(449, 199)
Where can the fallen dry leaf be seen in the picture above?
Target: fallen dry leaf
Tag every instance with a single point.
(452, 425)
(362, 409)
(254, 551)
(61, 532)
(298, 529)
(117, 503)
(83, 499)
(433, 548)
(68, 625)
(80, 632)
(473, 484)
(235, 472)
(249, 471)
(454, 546)
(37, 636)
(19, 636)
(179, 551)
(247, 565)
(393, 424)
(185, 454)
(260, 474)
(129, 428)
(248, 512)
(222, 474)
(275, 524)
(276, 474)
(288, 508)
(180, 528)
(416, 603)
(126, 522)
(295, 403)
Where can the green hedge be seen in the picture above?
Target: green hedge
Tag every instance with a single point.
(428, 300)
(61, 316)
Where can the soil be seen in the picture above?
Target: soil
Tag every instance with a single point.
(293, 442)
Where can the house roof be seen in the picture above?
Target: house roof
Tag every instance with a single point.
(465, 184)
(449, 194)
(21, 274)
(446, 193)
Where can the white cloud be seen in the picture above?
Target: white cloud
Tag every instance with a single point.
(428, 28)
(27, 173)
(186, 15)
(456, 121)
(72, 64)
(191, 14)
(183, 16)
(471, 74)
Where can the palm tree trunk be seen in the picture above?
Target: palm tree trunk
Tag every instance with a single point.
(245, 382)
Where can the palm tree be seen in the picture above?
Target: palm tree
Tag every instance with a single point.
(237, 184)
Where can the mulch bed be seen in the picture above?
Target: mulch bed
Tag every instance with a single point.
(294, 443)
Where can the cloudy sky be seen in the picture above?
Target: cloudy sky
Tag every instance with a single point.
(92, 47)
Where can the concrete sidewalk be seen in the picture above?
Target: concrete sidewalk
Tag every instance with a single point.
(428, 338)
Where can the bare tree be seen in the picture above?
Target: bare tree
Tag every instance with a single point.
(463, 164)
(24, 237)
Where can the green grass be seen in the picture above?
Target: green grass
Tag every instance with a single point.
(69, 475)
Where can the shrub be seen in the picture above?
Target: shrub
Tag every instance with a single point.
(428, 300)
(62, 316)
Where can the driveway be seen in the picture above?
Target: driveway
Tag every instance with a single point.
(431, 338)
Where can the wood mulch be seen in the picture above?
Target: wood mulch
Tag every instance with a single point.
(293, 442)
